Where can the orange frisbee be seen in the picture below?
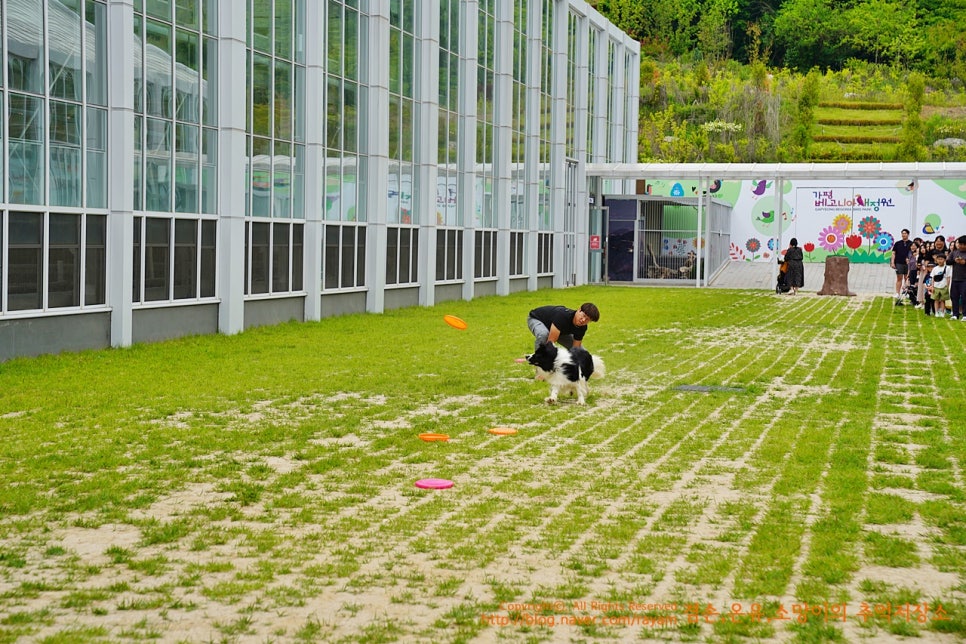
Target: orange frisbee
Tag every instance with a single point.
(503, 431)
(454, 322)
(430, 437)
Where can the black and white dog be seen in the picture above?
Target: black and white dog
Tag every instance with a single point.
(566, 370)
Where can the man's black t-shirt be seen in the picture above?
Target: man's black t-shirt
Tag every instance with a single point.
(901, 249)
(562, 318)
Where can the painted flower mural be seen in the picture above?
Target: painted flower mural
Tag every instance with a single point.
(831, 239)
(884, 242)
(753, 245)
(853, 241)
(843, 223)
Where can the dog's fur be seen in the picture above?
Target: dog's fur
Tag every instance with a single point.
(567, 371)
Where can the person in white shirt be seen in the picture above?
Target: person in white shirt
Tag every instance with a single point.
(940, 285)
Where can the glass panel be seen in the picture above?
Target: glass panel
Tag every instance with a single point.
(405, 248)
(209, 15)
(332, 206)
(136, 283)
(63, 261)
(185, 259)
(25, 48)
(350, 117)
(351, 50)
(26, 231)
(65, 154)
(157, 180)
(96, 158)
(392, 256)
(261, 177)
(159, 9)
(3, 115)
(280, 244)
(209, 176)
(298, 183)
(407, 64)
(348, 256)
(138, 192)
(330, 265)
(300, 23)
(187, 97)
(406, 133)
(186, 13)
(282, 180)
(297, 256)
(136, 61)
(350, 189)
(333, 123)
(160, 87)
(261, 95)
(208, 257)
(283, 100)
(361, 257)
(395, 65)
(334, 43)
(261, 25)
(260, 257)
(283, 28)
(186, 168)
(96, 73)
(64, 59)
(298, 106)
(209, 95)
(157, 258)
(26, 165)
(95, 264)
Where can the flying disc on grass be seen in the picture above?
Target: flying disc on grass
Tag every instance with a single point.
(434, 484)
(521, 360)
(431, 437)
(503, 431)
(455, 322)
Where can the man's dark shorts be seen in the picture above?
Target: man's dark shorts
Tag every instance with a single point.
(902, 269)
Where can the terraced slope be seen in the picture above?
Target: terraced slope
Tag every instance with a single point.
(854, 131)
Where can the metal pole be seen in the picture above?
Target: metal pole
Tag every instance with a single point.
(698, 237)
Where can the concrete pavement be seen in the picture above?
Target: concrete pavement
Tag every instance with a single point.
(864, 279)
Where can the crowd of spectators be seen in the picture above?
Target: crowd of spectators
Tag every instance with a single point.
(931, 275)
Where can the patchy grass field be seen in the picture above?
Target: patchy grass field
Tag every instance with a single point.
(260, 487)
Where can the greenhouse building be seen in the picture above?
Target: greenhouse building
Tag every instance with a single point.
(180, 167)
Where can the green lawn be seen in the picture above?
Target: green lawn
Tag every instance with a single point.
(260, 487)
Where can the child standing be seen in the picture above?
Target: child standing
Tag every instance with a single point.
(940, 285)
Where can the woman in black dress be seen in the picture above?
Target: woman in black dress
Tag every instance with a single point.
(796, 268)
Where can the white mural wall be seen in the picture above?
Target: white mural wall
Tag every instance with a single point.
(856, 219)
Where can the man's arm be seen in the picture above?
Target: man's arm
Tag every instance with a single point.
(554, 334)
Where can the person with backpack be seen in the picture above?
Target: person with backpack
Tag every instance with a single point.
(940, 285)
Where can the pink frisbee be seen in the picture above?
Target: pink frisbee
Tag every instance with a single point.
(434, 484)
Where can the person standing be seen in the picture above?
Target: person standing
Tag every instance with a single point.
(940, 285)
(796, 266)
(550, 324)
(957, 284)
(900, 262)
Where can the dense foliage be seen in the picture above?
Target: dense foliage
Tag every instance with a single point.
(798, 80)
(800, 34)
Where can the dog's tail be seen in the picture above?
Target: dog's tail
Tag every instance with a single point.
(599, 369)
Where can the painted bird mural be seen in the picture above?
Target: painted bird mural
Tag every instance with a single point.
(760, 187)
